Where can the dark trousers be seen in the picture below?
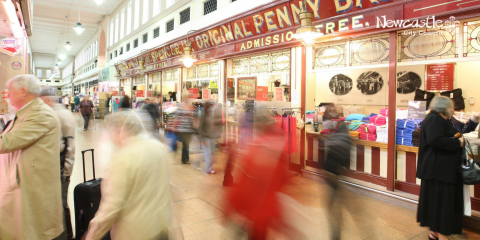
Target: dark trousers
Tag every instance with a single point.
(86, 118)
(185, 139)
(66, 209)
(72, 107)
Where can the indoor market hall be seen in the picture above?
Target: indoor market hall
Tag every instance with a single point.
(239, 119)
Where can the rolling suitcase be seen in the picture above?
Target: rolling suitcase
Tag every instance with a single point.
(86, 197)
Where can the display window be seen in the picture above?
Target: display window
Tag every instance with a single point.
(205, 78)
(348, 82)
(170, 85)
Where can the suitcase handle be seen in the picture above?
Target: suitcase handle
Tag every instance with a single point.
(93, 164)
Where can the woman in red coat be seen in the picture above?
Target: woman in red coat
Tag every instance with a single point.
(263, 173)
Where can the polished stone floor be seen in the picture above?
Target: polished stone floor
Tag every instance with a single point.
(198, 198)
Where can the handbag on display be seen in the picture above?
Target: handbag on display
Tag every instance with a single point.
(470, 169)
(421, 95)
(456, 96)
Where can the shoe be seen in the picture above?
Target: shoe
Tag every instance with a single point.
(84, 129)
(430, 237)
(212, 172)
(185, 162)
(199, 169)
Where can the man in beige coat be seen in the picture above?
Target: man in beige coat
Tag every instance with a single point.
(136, 201)
(30, 192)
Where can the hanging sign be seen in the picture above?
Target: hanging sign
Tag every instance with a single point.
(193, 93)
(417, 109)
(440, 77)
(213, 84)
(262, 93)
(140, 93)
(279, 94)
(205, 93)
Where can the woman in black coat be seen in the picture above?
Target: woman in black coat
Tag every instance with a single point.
(440, 206)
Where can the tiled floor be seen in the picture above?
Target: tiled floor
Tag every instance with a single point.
(198, 198)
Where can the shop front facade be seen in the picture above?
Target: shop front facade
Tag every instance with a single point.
(370, 60)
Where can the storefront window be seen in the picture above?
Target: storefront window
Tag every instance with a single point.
(205, 79)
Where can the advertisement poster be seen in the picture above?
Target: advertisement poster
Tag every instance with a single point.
(140, 93)
(193, 93)
(149, 93)
(409, 79)
(213, 84)
(205, 93)
(262, 93)
(11, 46)
(440, 77)
(417, 109)
(114, 93)
(279, 94)
(361, 86)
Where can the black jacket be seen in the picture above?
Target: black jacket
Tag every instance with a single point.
(439, 154)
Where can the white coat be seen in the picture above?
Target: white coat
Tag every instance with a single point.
(136, 201)
(30, 192)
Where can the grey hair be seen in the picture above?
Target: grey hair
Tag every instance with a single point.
(27, 81)
(127, 123)
(441, 104)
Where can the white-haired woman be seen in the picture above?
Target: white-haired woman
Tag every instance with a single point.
(136, 201)
(440, 205)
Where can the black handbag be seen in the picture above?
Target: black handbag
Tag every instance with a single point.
(470, 170)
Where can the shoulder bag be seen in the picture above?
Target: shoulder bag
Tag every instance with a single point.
(470, 168)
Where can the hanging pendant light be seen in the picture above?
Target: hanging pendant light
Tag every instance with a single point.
(307, 34)
(79, 28)
(187, 58)
(67, 46)
(98, 2)
(59, 61)
(62, 56)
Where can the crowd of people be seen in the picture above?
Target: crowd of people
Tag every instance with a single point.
(37, 155)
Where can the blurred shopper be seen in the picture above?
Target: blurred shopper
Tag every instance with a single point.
(210, 130)
(152, 118)
(77, 102)
(86, 108)
(338, 156)
(136, 201)
(440, 205)
(67, 147)
(30, 191)
(72, 104)
(182, 125)
(126, 104)
(66, 101)
(254, 202)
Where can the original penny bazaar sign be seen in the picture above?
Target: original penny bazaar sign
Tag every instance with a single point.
(276, 25)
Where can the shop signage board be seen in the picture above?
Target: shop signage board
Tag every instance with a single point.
(193, 93)
(140, 93)
(417, 109)
(440, 77)
(205, 93)
(262, 93)
(273, 25)
(279, 94)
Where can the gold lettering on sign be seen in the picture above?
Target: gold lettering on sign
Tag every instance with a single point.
(330, 28)
(249, 44)
(205, 40)
(284, 17)
(227, 32)
(256, 43)
(243, 47)
(343, 8)
(198, 39)
(315, 6)
(296, 11)
(258, 22)
(289, 36)
(172, 49)
(247, 33)
(238, 32)
(275, 39)
(270, 25)
(268, 41)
